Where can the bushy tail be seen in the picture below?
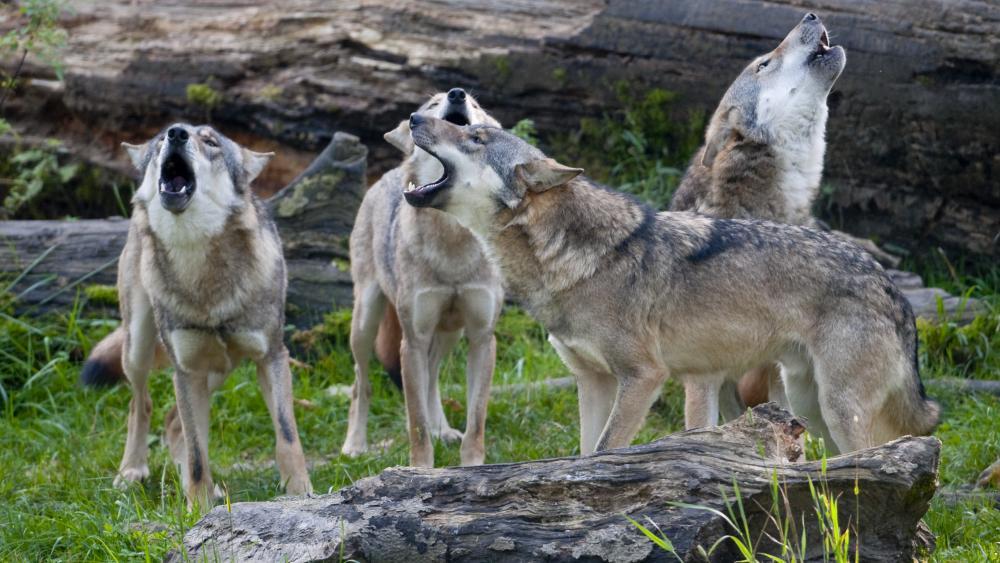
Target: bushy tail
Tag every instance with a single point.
(387, 343)
(921, 414)
(104, 366)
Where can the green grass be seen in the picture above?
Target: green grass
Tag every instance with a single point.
(60, 444)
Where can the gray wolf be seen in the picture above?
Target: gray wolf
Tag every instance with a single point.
(763, 151)
(631, 296)
(425, 278)
(201, 283)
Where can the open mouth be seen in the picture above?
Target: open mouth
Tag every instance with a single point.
(822, 48)
(177, 183)
(423, 195)
(457, 116)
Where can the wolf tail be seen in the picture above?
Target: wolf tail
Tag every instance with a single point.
(103, 367)
(387, 343)
(918, 414)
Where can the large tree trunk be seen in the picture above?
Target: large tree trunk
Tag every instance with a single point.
(573, 509)
(912, 153)
(52, 260)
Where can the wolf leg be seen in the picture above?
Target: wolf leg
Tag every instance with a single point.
(414, 356)
(369, 305)
(802, 395)
(419, 321)
(595, 388)
(138, 356)
(701, 401)
(636, 392)
(441, 344)
(275, 380)
(479, 377)
(193, 406)
(596, 395)
(480, 309)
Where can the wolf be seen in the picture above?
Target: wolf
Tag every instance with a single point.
(201, 282)
(764, 147)
(763, 151)
(631, 296)
(425, 279)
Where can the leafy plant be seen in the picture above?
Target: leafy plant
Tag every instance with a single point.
(641, 148)
(39, 35)
(203, 95)
(525, 129)
(34, 169)
(965, 348)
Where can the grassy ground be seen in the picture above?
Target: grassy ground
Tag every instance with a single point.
(60, 444)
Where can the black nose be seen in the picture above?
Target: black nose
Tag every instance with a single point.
(416, 120)
(456, 95)
(810, 17)
(177, 136)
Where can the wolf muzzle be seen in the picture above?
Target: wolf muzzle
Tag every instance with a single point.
(177, 182)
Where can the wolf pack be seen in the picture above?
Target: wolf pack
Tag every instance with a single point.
(736, 290)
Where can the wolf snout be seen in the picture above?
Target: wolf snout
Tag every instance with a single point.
(810, 17)
(416, 120)
(177, 136)
(456, 95)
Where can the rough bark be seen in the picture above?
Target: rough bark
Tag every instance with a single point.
(912, 153)
(572, 509)
(314, 215)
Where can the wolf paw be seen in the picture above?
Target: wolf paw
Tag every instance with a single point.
(131, 475)
(299, 486)
(448, 435)
(354, 448)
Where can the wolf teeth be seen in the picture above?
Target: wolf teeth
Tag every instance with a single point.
(411, 187)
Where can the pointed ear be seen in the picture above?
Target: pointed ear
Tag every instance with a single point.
(254, 163)
(544, 173)
(400, 137)
(135, 154)
(718, 135)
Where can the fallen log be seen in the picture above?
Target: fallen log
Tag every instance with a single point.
(574, 508)
(923, 175)
(49, 261)
(966, 385)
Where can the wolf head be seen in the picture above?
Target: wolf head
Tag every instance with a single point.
(455, 106)
(780, 95)
(187, 167)
(484, 170)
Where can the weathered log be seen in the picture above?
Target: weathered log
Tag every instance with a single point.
(314, 214)
(571, 509)
(966, 385)
(911, 154)
(51, 260)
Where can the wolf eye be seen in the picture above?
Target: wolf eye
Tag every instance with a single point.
(762, 66)
(211, 142)
(479, 138)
